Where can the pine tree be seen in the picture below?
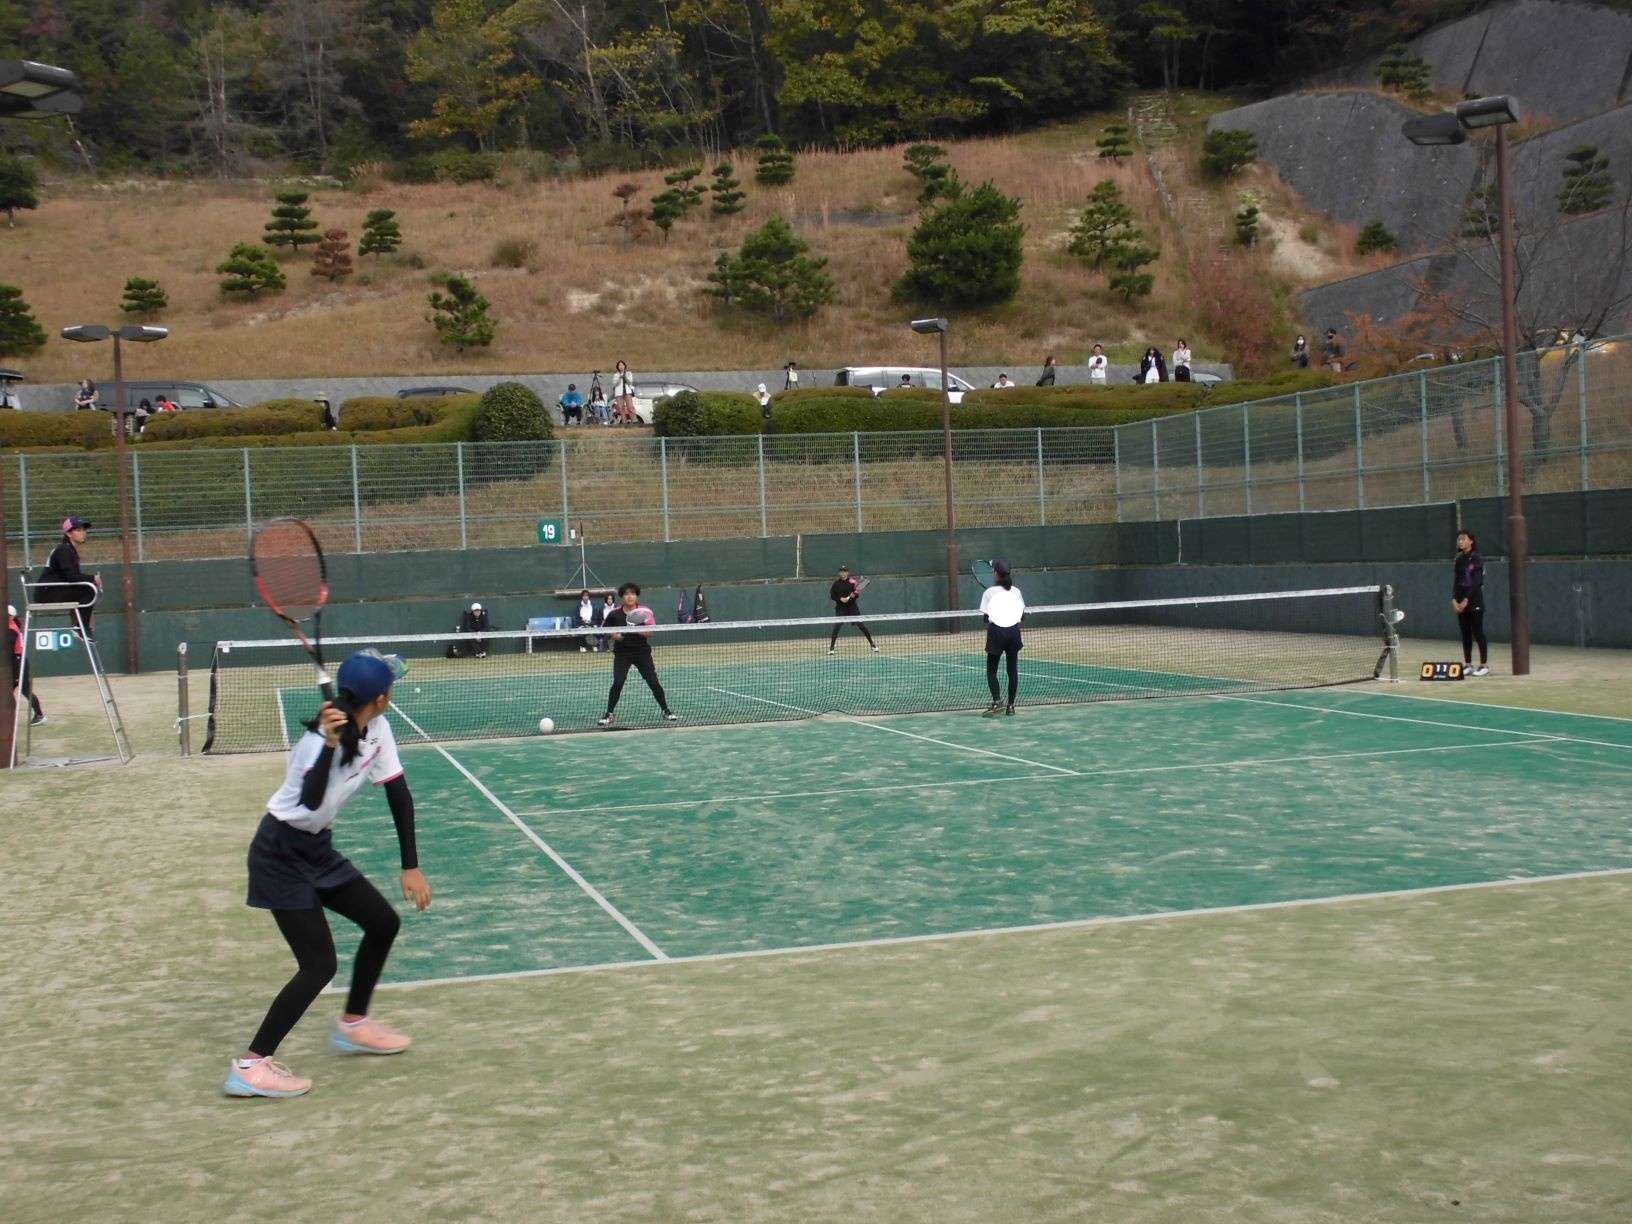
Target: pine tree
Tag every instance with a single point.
(19, 187)
(1106, 223)
(728, 196)
(20, 331)
(681, 181)
(144, 297)
(1587, 184)
(460, 315)
(381, 235)
(1128, 280)
(333, 256)
(291, 225)
(1116, 142)
(1228, 151)
(1246, 226)
(967, 251)
(251, 269)
(667, 208)
(775, 162)
(1375, 237)
(922, 161)
(772, 275)
(1483, 217)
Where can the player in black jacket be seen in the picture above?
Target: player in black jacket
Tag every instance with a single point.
(1468, 598)
(64, 581)
(845, 594)
(632, 649)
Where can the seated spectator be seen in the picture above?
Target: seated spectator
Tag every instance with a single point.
(143, 411)
(1002, 383)
(587, 616)
(571, 405)
(598, 407)
(475, 621)
(1331, 353)
(906, 380)
(85, 397)
(608, 606)
(165, 404)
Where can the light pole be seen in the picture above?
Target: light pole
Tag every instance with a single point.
(136, 334)
(925, 327)
(1448, 128)
(27, 91)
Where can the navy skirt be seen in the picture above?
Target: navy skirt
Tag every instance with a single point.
(290, 869)
(1000, 639)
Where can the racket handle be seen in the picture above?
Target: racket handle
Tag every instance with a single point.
(325, 684)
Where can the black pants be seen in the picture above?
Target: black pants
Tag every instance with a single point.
(854, 618)
(1012, 654)
(1473, 630)
(26, 693)
(310, 939)
(621, 664)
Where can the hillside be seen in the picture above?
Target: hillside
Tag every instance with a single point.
(582, 299)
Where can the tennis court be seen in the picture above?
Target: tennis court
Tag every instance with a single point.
(559, 852)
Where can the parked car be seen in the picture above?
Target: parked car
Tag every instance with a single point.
(649, 395)
(1205, 378)
(183, 394)
(432, 392)
(885, 378)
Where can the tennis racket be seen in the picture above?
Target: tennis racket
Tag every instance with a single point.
(861, 584)
(984, 573)
(287, 564)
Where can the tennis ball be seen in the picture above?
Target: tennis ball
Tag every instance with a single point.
(546, 725)
(416, 690)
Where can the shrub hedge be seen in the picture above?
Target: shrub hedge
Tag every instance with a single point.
(710, 414)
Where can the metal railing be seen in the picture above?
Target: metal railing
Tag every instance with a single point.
(1416, 438)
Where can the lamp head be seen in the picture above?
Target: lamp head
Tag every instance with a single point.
(1488, 112)
(86, 333)
(140, 334)
(926, 327)
(1441, 129)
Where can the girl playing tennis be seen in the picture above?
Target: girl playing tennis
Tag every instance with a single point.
(1002, 606)
(295, 871)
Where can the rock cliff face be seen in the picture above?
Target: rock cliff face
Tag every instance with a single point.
(1343, 152)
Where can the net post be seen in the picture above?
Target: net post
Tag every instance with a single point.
(1390, 616)
(182, 723)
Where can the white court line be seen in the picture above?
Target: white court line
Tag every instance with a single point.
(283, 721)
(572, 873)
(1491, 705)
(1066, 925)
(861, 722)
(1428, 722)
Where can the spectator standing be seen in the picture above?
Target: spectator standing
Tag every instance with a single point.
(571, 405)
(1331, 353)
(1099, 367)
(623, 395)
(23, 684)
(1046, 378)
(1152, 369)
(85, 397)
(1181, 361)
(1002, 383)
(1300, 354)
(762, 397)
(64, 581)
(790, 376)
(1468, 598)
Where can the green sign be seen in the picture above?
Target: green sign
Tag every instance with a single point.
(550, 531)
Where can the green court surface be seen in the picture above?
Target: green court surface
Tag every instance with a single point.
(561, 852)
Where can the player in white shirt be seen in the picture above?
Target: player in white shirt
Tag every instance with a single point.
(1002, 606)
(295, 871)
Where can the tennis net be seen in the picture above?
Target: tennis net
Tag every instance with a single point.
(262, 692)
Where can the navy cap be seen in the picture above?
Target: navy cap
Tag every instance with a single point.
(74, 522)
(844, 569)
(1000, 567)
(368, 674)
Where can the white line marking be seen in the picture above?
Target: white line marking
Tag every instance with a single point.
(571, 872)
(283, 721)
(861, 722)
(1491, 705)
(1067, 925)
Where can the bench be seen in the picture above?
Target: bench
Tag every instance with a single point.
(545, 624)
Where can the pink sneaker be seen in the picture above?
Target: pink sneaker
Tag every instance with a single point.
(367, 1036)
(261, 1077)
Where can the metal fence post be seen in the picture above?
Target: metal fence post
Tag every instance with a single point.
(1498, 409)
(356, 505)
(136, 496)
(1359, 453)
(1422, 405)
(1155, 471)
(1581, 413)
(1042, 492)
(22, 501)
(1201, 484)
(459, 460)
(1246, 453)
(566, 506)
(663, 466)
(1297, 419)
(855, 450)
(1116, 468)
(249, 503)
(764, 524)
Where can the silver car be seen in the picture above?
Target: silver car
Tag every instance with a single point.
(648, 395)
(887, 378)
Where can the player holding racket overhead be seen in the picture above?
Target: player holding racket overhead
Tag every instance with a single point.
(295, 871)
(846, 596)
(632, 650)
(1002, 605)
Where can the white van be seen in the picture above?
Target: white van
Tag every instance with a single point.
(884, 378)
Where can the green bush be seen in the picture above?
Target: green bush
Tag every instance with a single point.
(679, 416)
(462, 166)
(511, 412)
(85, 430)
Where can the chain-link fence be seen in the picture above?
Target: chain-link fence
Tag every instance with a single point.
(1433, 436)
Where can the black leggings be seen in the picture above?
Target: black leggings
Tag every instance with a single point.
(312, 943)
(833, 638)
(1473, 630)
(620, 672)
(1012, 654)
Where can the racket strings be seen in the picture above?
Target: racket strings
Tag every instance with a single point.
(289, 570)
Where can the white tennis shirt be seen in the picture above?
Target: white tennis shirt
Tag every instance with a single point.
(376, 762)
(1003, 607)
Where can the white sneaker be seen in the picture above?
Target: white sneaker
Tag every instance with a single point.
(1481, 670)
(830, 650)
